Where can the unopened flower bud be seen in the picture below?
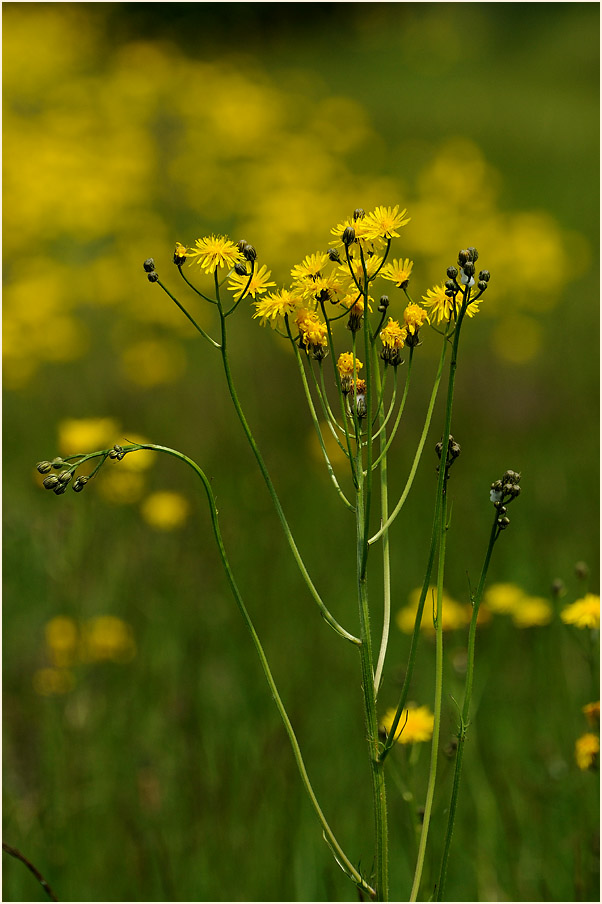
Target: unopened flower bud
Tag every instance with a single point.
(469, 269)
(511, 477)
(249, 252)
(463, 257)
(65, 476)
(474, 254)
(51, 482)
(334, 255)
(149, 265)
(558, 588)
(153, 276)
(241, 268)
(79, 483)
(359, 213)
(581, 570)
(383, 303)
(503, 522)
(179, 255)
(57, 463)
(117, 452)
(451, 286)
(452, 272)
(482, 285)
(348, 235)
(484, 275)
(44, 467)
(60, 489)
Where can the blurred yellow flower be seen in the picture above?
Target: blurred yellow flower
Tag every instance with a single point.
(137, 461)
(62, 639)
(592, 713)
(87, 434)
(107, 637)
(418, 727)
(532, 611)
(165, 510)
(453, 615)
(152, 362)
(583, 613)
(121, 486)
(503, 598)
(587, 748)
(49, 682)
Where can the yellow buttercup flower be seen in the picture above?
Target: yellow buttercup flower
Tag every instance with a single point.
(259, 282)
(383, 222)
(214, 251)
(587, 749)
(398, 271)
(415, 725)
(583, 613)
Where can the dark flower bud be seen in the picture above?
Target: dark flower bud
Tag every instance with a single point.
(117, 452)
(383, 303)
(454, 449)
(463, 257)
(44, 467)
(482, 285)
(413, 340)
(241, 245)
(60, 489)
(334, 255)
(57, 463)
(511, 477)
(359, 213)
(51, 482)
(79, 483)
(485, 275)
(452, 272)
(153, 276)
(65, 476)
(449, 293)
(503, 522)
(149, 265)
(349, 235)
(558, 588)
(501, 509)
(469, 269)
(241, 268)
(474, 254)
(451, 286)
(249, 252)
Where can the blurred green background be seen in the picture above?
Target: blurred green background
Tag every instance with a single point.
(152, 765)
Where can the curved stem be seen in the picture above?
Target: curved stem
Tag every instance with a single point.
(406, 389)
(384, 509)
(185, 312)
(340, 854)
(326, 615)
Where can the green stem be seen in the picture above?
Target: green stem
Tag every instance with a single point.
(406, 389)
(384, 511)
(340, 855)
(438, 622)
(465, 715)
(326, 615)
(185, 312)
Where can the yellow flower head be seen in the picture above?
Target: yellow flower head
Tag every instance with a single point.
(358, 227)
(86, 434)
(414, 316)
(383, 222)
(214, 251)
(453, 614)
(532, 611)
(584, 613)
(345, 364)
(107, 637)
(372, 263)
(179, 255)
(393, 336)
(587, 749)
(258, 283)
(274, 306)
(441, 305)
(592, 713)
(62, 640)
(503, 598)
(322, 288)
(165, 510)
(415, 725)
(398, 272)
(314, 335)
(311, 267)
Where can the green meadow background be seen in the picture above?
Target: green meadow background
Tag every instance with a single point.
(165, 774)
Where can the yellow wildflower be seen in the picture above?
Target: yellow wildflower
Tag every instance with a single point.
(415, 725)
(345, 364)
(258, 283)
(314, 334)
(107, 637)
(592, 713)
(442, 306)
(583, 613)
(358, 227)
(398, 272)
(414, 316)
(453, 614)
(274, 306)
(383, 222)
(179, 255)
(214, 251)
(503, 598)
(311, 267)
(62, 640)
(372, 263)
(165, 510)
(587, 748)
(532, 611)
(86, 434)
(392, 335)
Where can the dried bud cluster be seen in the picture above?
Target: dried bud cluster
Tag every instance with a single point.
(502, 493)
(149, 269)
